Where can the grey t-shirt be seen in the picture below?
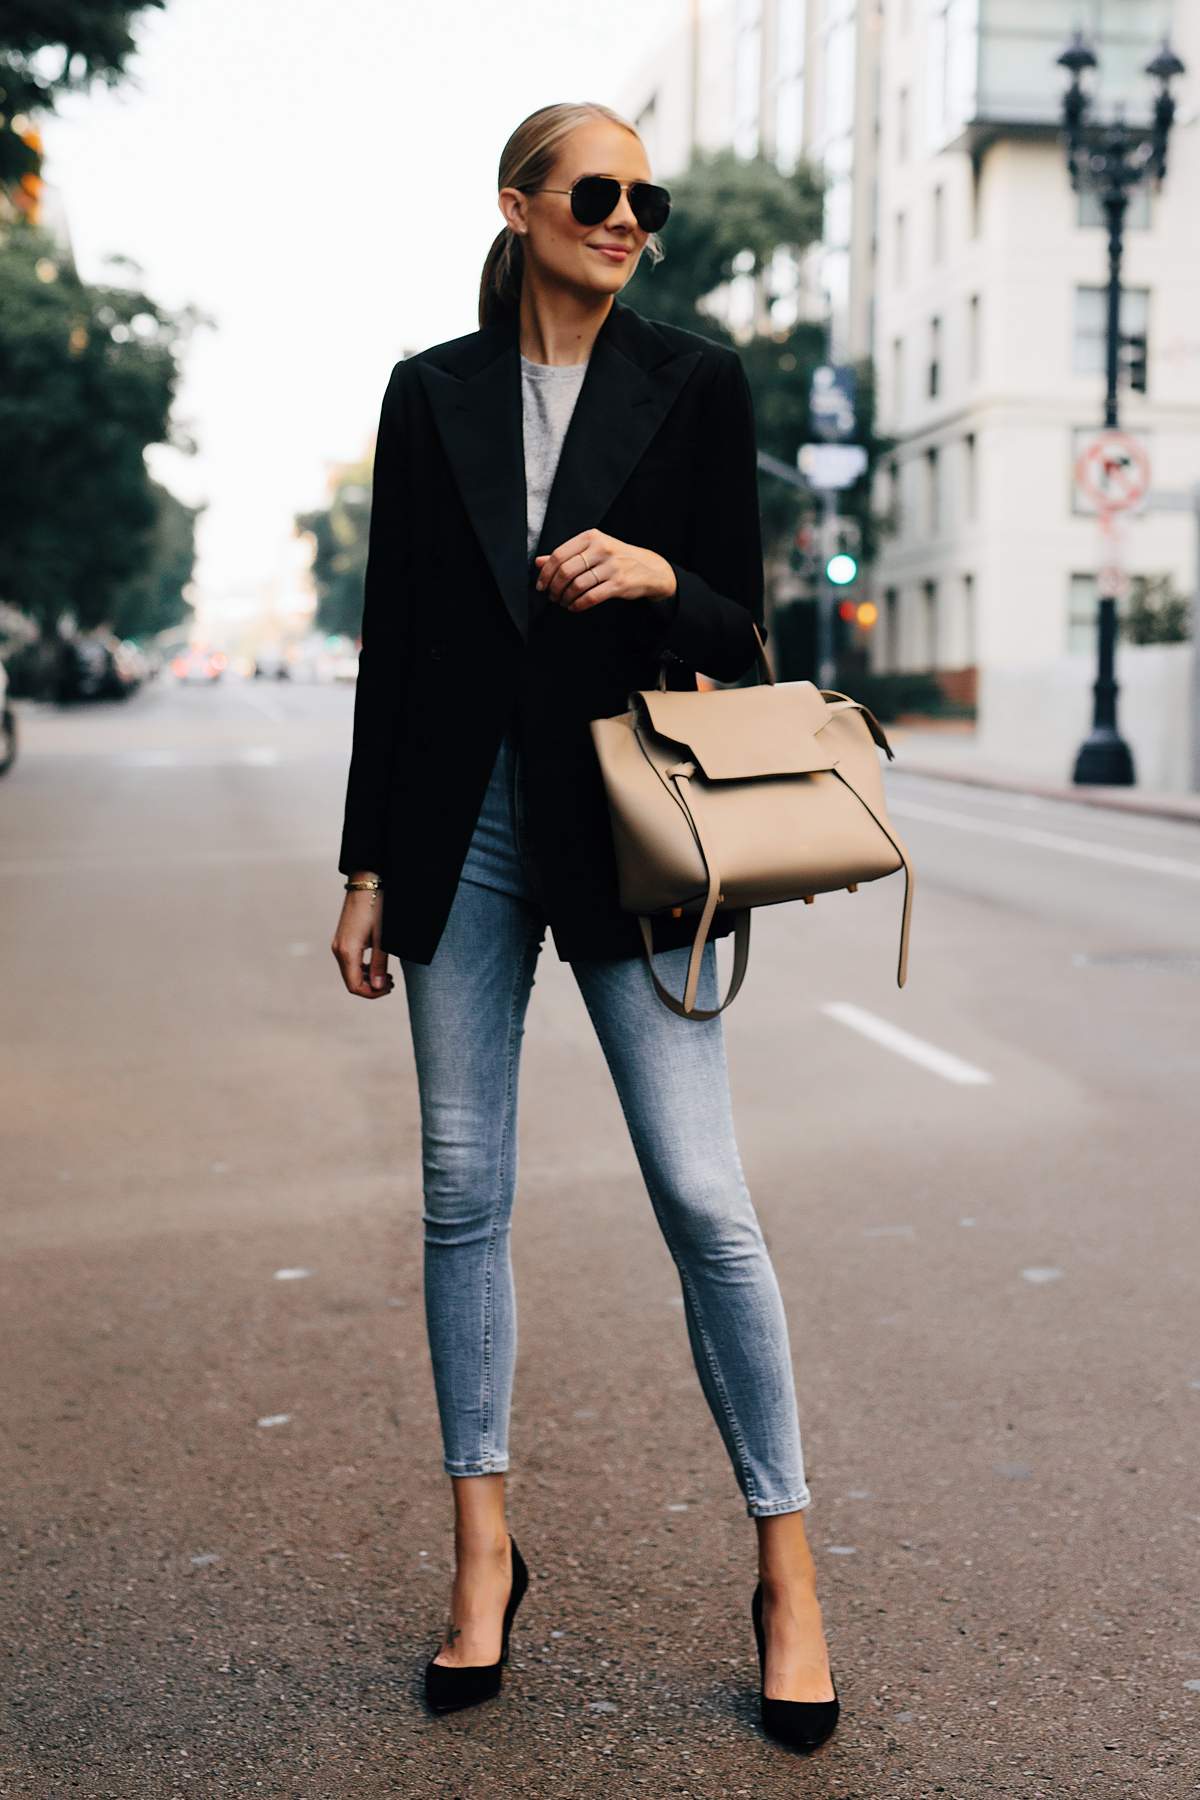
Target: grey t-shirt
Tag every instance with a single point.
(548, 399)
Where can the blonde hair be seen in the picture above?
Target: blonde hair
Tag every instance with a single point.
(526, 160)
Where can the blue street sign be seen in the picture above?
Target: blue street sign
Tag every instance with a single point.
(831, 402)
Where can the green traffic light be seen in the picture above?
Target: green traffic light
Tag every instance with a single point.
(841, 570)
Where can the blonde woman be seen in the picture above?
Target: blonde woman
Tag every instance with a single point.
(565, 504)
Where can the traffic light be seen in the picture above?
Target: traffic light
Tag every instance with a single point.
(841, 569)
(1133, 360)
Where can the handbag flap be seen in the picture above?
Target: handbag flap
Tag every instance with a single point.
(735, 734)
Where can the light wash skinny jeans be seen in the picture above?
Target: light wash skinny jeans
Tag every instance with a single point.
(467, 1009)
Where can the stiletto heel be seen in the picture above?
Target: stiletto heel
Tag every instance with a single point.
(801, 1723)
(449, 1690)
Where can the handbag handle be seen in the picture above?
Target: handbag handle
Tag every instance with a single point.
(766, 674)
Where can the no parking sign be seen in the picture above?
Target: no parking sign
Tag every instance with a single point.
(1113, 472)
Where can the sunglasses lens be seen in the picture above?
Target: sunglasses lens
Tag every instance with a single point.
(651, 205)
(594, 198)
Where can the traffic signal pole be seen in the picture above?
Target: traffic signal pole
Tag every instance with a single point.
(826, 663)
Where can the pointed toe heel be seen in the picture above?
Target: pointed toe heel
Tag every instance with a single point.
(801, 1724)
(449, 1690)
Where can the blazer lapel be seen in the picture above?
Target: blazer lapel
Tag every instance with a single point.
(621, 406)
(478, 418)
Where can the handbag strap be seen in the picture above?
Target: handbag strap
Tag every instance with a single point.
(902, 853)
(741, 957)
(681, 775)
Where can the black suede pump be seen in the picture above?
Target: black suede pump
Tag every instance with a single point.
(802, 1724)
(449, 1690)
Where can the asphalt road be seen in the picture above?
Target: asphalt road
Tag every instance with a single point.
(224, 1527)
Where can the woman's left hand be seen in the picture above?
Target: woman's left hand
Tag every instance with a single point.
(592, 568)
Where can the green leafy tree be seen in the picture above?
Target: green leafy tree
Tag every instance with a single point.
(729, 217)
(1157, 614)
(49, 48)
(87, 378)
(339, 566)
(156, 599)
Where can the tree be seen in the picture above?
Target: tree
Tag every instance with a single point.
(1157, 614)
(339, 564)
(87, 379)
(730, 217)
(156, 598)
(49, 48)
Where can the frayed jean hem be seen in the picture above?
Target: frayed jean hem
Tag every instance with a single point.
(498, 1465)
(770, 1509)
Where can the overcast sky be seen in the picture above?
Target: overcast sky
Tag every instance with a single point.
(319, 177)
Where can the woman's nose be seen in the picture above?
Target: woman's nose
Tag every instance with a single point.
(621, 217)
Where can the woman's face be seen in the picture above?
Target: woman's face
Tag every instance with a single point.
(593, 259)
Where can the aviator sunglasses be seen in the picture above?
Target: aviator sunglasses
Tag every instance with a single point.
(595, 198)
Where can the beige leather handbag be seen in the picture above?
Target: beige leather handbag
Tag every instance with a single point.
(744, 797)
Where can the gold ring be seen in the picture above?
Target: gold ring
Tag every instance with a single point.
(587, 565)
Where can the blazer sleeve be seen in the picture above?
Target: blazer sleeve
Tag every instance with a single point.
(719, 596)
(381, 655)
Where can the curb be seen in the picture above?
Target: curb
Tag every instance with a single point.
(1182, 808)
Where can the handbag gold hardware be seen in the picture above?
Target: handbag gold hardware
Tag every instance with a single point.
(744, 797)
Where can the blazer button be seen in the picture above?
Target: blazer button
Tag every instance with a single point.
(437, 652)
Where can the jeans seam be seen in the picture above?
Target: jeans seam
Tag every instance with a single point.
(714, 1369)
(487, 1421)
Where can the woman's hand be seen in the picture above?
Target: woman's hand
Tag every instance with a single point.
(592, 568)
(357, 931)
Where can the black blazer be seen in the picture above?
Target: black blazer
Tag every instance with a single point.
(457, 646)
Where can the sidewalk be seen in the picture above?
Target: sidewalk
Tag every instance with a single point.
(949, 753)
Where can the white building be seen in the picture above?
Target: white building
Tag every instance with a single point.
(958, 257)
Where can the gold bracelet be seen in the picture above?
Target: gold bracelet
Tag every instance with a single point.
(363, 887)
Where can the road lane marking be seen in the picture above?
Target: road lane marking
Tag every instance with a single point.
(927, 1056)
(1042, 1275)
(1047, 840)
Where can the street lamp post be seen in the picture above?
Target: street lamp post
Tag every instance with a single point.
(1111, 161)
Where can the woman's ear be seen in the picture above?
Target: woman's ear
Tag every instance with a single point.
(515, 207)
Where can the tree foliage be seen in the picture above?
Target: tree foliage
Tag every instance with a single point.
(53, 47)
(155, 599)
(1157, 614)
(87, 379)
(339, 563)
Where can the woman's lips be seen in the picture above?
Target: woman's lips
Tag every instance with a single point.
(614, 252)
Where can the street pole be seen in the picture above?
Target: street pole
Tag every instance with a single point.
(1106, 163)
(826, 664)
(1196, 651)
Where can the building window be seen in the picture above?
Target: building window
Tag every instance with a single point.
(898, 377)
(901, 249)
(971, 472)
(1137, 213)
(937, 223)
(1089, 343)
(969, 620)
(974, 339)
(1081, 616)
(935, 357)
(931, 624)
(933, 483)
(902, 125)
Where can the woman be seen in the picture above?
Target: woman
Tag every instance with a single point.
(565, 504)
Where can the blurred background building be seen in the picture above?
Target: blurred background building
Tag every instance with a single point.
(957, 259)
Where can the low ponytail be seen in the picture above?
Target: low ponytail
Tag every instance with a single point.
(503, 269)
(528, 157)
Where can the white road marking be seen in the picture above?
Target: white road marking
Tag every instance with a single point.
(1040, 1275)
(292, 1274)
(275, 1419)
(1047, 840)
(928, 1056)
